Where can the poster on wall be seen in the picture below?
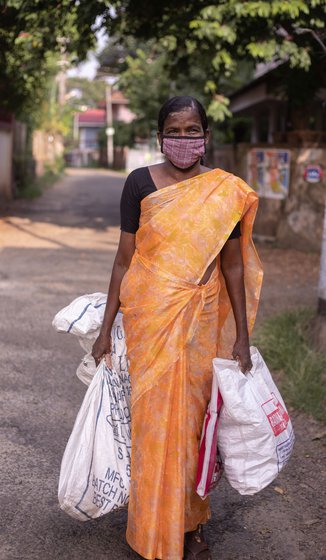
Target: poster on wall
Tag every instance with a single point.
(269, 172)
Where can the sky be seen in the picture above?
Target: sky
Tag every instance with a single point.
(88, 68)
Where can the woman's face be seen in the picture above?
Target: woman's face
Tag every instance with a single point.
(183, 123)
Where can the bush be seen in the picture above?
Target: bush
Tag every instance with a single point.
(284, 341)
(32, 187)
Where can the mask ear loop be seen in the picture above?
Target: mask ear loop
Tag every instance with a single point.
(202, 160)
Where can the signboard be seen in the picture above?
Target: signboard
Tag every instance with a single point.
(269, 172)
(313, 173)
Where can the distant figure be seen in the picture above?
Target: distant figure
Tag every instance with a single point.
(187, 278)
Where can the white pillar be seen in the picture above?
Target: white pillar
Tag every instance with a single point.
(322, 276)
(109, 122)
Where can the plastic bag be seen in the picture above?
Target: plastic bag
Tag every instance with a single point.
(95, 469)
(255, 435)
(210, 465)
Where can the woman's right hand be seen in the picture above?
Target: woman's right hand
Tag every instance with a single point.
(102, 349)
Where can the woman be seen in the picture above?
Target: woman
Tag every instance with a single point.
(188, 280)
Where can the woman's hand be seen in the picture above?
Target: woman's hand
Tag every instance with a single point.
(102, 349)
(241, 353)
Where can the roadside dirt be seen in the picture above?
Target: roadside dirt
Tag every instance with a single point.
(52, 250)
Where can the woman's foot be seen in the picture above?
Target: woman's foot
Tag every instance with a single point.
(195, 546)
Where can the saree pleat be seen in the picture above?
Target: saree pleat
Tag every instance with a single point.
(174, 328)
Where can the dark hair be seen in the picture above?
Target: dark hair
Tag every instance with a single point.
(179, 103)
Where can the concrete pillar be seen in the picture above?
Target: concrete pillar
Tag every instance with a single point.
(6, 154)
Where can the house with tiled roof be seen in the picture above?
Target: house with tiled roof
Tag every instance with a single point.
(90, 122)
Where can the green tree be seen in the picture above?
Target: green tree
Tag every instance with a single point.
(92, 92)
(217, 37)
(146, 75)
(32, 34)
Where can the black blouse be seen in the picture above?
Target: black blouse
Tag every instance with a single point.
(138, 185)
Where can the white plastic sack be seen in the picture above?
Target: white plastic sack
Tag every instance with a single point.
(87, 368)
(83, 318)
(255, 435)
(95, 469)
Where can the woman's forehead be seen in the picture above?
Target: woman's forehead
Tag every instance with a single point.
(183, 116)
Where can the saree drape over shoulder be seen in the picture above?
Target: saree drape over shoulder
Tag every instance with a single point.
(174, 327)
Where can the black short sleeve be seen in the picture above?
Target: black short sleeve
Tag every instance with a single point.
(130, 205)
(138, 185)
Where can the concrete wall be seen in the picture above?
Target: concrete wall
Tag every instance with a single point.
(6, 153)
(301, 222)
(46, 148)
(296, 221)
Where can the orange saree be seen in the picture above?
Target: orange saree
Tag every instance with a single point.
(174, 328)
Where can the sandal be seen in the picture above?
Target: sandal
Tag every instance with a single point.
(195, 546)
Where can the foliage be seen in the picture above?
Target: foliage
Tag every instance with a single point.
(211, 38)
(124, 135)
(146, 84)
(285, 344)
(145, 75)
(217, 37)
(34, 34)
(92, 92)
(31, 187)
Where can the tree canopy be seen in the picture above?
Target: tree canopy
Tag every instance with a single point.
(34, 34)
(213, 37)
(217, 37)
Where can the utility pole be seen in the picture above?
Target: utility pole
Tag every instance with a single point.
(109, 123)
(109, 82)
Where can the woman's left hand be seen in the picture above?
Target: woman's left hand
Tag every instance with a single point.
(241, 353)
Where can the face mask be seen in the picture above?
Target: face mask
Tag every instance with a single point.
(183, 151)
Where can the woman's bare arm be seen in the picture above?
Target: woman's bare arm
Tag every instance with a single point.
(233, 272)
(121, 264)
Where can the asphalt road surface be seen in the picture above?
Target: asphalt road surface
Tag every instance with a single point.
(51, 251)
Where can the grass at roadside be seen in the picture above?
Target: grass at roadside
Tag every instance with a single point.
(35, 188)
(284, 341)
(31, 187)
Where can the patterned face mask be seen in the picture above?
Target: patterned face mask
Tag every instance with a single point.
(183, 151)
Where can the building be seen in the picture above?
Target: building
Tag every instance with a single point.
(90, 123)
(280, 149)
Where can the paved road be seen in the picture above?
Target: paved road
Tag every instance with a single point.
(52, 250)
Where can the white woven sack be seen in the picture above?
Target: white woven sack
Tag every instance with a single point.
(255, 435)
(87, 368)
(83, 318)
(95, 469)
